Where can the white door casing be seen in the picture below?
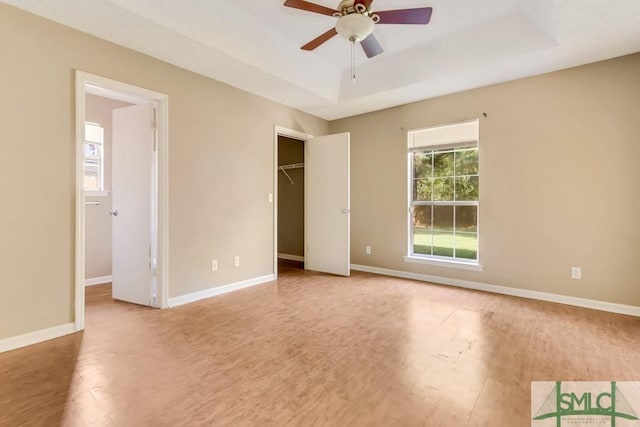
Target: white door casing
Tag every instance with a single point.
(327, 204)
(133, 202)
(98, 85)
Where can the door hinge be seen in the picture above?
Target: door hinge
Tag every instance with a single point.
(154, 127)
(154, 119)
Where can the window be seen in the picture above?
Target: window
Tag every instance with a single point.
(93, 157)
(444, 189)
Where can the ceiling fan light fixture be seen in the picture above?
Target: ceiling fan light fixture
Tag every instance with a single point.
(355, 27)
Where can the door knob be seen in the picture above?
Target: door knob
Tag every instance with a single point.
(345, 211)
(113, 212)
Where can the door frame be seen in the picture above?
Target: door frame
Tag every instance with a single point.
(125, 92)
(303, 137)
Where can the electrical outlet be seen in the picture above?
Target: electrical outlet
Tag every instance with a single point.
(214, 265)
(367, 250)
(236, 261)
(270, 198)
(576, 273)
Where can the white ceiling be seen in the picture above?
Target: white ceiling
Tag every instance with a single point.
(255, 44)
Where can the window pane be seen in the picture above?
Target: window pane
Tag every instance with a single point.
(467, 162)
(467, 188)
(467, 219)
(443, 189)
(443, 230)
(91, 150)
(466, 245)
(443, 164)
(422, 230)
(422, 167)
(422, 189)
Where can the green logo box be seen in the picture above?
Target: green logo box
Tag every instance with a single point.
(585, 403)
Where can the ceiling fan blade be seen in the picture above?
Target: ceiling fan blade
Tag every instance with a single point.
(420, 16)
(366, 3)
(310, 7)
(371, 46)
(320, 40)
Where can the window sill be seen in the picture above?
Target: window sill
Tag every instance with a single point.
(96, 194)
(445, 263)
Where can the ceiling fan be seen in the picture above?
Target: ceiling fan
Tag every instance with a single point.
(356, 22)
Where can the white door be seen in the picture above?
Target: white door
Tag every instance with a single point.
(327, 215)
(133, 166)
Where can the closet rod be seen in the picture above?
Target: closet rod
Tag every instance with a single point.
(292, 166)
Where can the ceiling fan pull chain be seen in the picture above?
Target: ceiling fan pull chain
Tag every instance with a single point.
(353, 61)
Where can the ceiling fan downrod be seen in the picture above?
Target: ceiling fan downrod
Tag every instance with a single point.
(348, 8)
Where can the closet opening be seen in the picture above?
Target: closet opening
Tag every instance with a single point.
(290, 202)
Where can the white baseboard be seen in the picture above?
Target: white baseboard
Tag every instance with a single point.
(13, 343)
(505, 290)
(98, 280)
(219, 290)
(291, 257)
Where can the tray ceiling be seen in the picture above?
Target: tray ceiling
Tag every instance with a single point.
(255, 44)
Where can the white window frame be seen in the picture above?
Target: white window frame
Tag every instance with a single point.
(100, 192)
(440, 138)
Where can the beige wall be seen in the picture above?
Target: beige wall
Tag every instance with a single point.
(98, 222)
(559, 184)
(290, 198)
(220, 168)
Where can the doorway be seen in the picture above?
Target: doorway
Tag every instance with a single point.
(291, 192)
(137, 207)
(326, 194)
(289, 180)
(98, 166)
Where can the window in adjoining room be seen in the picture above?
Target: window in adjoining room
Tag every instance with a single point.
(93, 157)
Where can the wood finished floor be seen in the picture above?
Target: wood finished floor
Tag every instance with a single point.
(314, 350)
